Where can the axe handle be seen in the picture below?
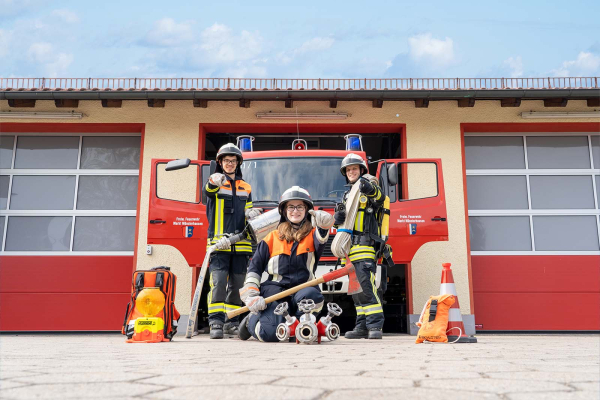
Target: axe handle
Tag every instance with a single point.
(325, 278)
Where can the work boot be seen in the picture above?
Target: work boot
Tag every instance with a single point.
(375, 333)
(230, 329)
(357, 333)
(216, 331)
(243, 332)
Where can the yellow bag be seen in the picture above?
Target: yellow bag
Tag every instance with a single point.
(433, 321)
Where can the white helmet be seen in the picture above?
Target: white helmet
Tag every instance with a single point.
(354, 159)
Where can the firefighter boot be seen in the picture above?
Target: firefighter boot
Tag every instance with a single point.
(375, 333)
(360, 329)
(216, 331)
(230, 329)
(243, 331)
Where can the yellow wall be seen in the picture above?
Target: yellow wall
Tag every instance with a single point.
(434, 132)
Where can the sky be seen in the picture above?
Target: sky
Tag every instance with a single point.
(307, 39)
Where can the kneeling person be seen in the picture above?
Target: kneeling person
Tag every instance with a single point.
(289, 255)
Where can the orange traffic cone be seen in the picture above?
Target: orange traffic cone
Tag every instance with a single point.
(454, 316)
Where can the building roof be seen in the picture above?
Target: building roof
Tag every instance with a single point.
(569, 88)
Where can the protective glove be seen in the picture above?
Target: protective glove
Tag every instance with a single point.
(217, 179)
(255, 304)
(321, 219)
(252, 213)
(366, 187)
(223, 243)
(339, 218)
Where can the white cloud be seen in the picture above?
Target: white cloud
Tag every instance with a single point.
(586, 64)
(426, 49)
(221, 45)
(515, 64)
(51, 63)
(315, 44)
(66, 15)
(168, 33)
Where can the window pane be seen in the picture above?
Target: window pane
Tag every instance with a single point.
(104, 234)
(494, 152)
(500, 233)
(2, 221)
(4, 181)
(558, 152)
(497, 192)
(565, 232)
(178, 185)
(110, 152)
(596, 151)
(38, 233)
(42, 193)
(107, 193)
(6, 151)
(598, 189)
(47, 152)
(556, 192)
(419, 179)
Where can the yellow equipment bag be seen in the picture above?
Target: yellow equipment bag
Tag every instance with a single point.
(433, 321)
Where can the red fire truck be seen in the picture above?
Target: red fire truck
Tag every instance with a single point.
(177, 213)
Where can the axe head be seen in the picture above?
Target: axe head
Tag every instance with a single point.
(353, 283)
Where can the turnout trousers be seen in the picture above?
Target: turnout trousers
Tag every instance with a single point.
(369, 308)
(263, 325)
(227, 274)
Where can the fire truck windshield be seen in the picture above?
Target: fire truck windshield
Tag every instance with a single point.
(270, 177)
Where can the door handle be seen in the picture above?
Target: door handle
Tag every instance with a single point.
(158, 221)
(438, 219)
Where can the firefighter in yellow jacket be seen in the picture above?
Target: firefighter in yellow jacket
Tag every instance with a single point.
(229, 206)
(369, 308)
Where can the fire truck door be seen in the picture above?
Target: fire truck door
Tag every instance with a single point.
(176, 215)
(417, 204)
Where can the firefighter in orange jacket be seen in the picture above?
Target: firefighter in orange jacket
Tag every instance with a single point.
(229, 205)
(289, 255)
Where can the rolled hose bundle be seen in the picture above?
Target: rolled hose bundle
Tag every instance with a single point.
(340, 247)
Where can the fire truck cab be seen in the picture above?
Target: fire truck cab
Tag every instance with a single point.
(177, 212)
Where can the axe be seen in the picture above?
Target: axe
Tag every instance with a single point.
(330, 276)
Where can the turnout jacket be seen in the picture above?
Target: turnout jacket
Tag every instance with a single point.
(225, 210)
(365, 224)
(288, 264)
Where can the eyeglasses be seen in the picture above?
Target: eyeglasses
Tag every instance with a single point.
(299, 208)
(232, 162)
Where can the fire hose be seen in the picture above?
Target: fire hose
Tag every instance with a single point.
(343, 238)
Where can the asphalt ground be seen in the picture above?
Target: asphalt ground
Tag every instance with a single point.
(92, 366)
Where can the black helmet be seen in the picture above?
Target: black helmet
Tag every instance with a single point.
(354, 159)
(295, 193)
(229, 149)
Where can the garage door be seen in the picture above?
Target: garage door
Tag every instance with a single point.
(534, 230)
(67, 226)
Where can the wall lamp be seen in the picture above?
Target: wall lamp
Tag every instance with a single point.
(40, 115)
(561, 114)
(270, 115)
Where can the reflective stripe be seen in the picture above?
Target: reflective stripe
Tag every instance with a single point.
(208, 189)
(359, 221)
(257, 331)
(248, 204)
(216, 307)
(362, 256)
(310, 262)
(252, 277)
(374, 288)
(225, 191)
(241, 193)
(374, 311)
(362, 249)
(360, 310)
(273, 269)
(231, 307)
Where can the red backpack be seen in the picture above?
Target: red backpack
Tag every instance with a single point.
(166, 281)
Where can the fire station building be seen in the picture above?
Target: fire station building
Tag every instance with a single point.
(520, 164)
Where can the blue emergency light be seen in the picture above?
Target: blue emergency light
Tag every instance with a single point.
(353, 142)
(245, 143)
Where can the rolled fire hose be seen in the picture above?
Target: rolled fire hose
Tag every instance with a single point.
(340, 247)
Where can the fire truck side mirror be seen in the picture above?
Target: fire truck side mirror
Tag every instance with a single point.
(213, 167)
(178, 164)
(392, 174)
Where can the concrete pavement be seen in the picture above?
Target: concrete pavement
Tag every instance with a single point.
(510, 367)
